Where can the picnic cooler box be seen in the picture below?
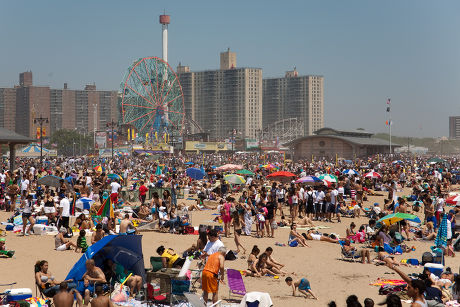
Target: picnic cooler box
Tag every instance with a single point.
(14, 295)
(435, 268)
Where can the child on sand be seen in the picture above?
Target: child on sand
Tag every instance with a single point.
(302, 284)
(3, 250)
(81, 242)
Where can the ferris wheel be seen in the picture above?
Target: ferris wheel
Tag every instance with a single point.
(152, 98)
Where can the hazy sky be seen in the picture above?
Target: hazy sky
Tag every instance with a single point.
(366, 50)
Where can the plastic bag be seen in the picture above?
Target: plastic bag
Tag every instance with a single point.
(120, 295)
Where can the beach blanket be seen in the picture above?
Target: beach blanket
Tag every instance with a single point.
(131, 303)
(309, 228)
(394, 282)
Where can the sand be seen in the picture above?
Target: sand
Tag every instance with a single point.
(330, 278)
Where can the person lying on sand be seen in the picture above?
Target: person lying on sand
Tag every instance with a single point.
(305, 222)
(302, 284)
(311, 235)
(363, 252)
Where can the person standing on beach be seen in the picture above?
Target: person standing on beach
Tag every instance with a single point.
(210, 276)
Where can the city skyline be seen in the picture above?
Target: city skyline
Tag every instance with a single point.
(368, 52)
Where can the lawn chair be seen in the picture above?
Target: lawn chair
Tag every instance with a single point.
(235, 283)
(347, 256)
(392, 250)
(156, 263)
(196, 301)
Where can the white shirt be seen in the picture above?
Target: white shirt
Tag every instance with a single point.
(65, 205)
(27, 206)
(88, 180)
(2, 177)
(213, 247)
(301, 194)
(440, 204)
(320, 197)
(115, 186)
(24, 185)
(334, 194)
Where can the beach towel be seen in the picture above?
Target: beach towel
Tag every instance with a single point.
(394, 282)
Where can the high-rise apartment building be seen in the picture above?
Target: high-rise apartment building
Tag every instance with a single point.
(225, 100)
(8, 108)
(64, 108)
(454, 127)
(294, 96)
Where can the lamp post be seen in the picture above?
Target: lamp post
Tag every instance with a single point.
(233, 133)
(111, 125)
(41, 120)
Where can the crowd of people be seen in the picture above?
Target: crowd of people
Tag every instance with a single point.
(258, 208)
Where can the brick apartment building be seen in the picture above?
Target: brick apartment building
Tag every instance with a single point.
(65, 108)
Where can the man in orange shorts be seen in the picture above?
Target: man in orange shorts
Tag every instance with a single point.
(210, 277)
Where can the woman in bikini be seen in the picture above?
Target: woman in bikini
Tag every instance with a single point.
(294, 236)
(252, 259)
(311, 235)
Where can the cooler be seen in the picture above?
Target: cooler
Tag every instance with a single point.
(18, 294)
(39, 229)
(41, 220)
(435, 268)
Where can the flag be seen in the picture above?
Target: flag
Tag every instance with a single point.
(129, 134)
(106, 209)
(44, 132)
(388, 123)
(388, 109)
(38, 133)
(389, 101)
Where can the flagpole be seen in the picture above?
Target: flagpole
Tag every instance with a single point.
(389, 121)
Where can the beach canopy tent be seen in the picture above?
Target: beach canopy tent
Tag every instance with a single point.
(124, 250)
(33, 150)
(12, 139)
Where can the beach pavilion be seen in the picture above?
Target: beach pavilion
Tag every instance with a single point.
(12, 139)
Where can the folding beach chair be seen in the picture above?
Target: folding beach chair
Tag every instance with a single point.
(235, 283)
(346, 256)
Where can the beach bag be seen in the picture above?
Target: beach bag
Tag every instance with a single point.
(260, 218)
(390, 289)
(274, 225)
(427, 257)
(293, 243)
(230, 255)
(120, 294)
(189, 230)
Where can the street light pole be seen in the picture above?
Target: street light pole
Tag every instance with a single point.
(111, 125)
(41, 120)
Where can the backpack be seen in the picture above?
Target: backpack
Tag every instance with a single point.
(427, 257)
(230, 255)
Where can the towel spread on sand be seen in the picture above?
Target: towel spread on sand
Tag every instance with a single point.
(394, 282)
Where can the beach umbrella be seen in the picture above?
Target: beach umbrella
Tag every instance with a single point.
(435, 160)
(124, 250)
(373, 175)
(99, 168)
(229, 167)
(106, 210)
(350, 172)
(397, 217)
(194, 173)
(158, 171)
(189, 163)
(397, 162)
(234, 179)
(50, 180)
(84, 203)
(114, 176)
(310, 180)
(453, 200)
(245, 172)
(441, 237)
(269, 166)
(281, 176)
(328, 177)
(327, 183)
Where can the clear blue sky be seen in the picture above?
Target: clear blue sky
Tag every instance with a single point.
(366, 50)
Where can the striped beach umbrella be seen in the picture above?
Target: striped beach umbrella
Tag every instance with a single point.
(453, 200)
(373, 175)
(310, 180)
(328, 177)
(350, 172)
(441, 237)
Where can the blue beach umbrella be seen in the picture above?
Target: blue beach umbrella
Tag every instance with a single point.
(194, 173)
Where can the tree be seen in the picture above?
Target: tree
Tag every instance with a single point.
(71, 142)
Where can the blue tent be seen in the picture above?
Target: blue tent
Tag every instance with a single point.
(194, 173)
(124, 250)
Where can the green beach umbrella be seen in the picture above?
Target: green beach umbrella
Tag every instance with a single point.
(234, 179)
(397, 217)
(245, 172)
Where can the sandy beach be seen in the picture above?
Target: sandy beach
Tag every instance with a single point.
(330, 277)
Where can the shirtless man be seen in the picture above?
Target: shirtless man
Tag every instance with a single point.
(125, 225)
(98, 234)
(101, 300)
(64, 298)
(92, 275)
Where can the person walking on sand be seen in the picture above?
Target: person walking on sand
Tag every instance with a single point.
(302, 284)
(210, 276)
